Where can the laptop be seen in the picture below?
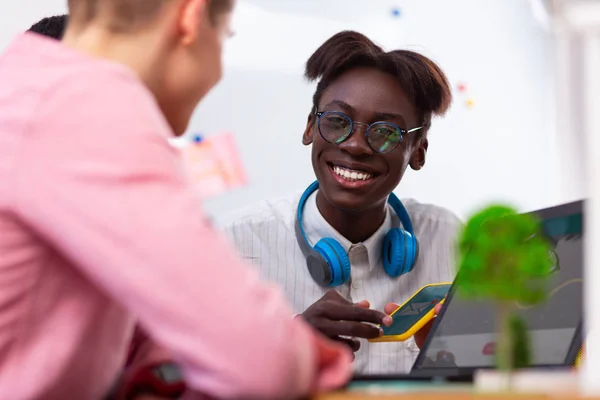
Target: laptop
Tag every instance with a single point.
(462, 338)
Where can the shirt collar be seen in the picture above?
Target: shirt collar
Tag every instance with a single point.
(316, 228)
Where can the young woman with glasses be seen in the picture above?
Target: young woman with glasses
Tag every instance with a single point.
(346, 251)
(100, 227)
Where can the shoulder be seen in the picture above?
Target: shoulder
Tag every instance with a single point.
(115, 102)
(109, 125)
(431, 217)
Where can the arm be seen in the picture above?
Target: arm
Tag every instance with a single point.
(122, 211)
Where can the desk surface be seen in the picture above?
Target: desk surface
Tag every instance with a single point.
(446, 396)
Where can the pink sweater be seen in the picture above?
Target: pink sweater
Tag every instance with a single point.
(99, 224)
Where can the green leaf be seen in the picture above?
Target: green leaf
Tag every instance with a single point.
(503, 256)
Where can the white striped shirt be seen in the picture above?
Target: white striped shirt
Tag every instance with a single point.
(264, 233)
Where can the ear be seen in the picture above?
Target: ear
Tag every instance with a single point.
(417, 158)
(192, 15)
(307, 137)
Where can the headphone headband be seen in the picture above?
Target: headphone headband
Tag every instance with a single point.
(393, 201)
(304, 246)
(328, 262)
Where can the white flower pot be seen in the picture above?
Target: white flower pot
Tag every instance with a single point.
(527, 381)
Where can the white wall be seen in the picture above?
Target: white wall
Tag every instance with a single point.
(502, 149)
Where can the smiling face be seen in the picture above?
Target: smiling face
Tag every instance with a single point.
(352, 176)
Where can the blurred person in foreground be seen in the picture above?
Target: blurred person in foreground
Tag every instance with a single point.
(100, 226)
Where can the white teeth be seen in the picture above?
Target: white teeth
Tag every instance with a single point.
(351, 175)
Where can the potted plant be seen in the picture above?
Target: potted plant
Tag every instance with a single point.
(504, 257)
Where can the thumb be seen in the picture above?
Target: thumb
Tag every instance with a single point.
(437, 308)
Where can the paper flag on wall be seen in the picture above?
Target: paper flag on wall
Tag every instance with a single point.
(214, 165)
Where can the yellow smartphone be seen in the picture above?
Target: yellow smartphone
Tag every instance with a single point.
(417, 311)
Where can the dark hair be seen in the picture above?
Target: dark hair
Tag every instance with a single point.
(53, 27)
(422, 79)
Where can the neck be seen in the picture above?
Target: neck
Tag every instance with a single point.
(140, 52)
(356, 226)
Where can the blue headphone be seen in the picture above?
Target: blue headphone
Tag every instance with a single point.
(328, 262)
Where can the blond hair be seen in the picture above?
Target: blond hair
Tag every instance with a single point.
(129, 14)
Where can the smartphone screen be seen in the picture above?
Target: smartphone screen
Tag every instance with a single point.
(412, 311)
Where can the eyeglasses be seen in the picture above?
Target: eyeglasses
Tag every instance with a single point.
(383, 137)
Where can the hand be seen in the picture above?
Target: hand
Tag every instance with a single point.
(421, 335)
(335, 317)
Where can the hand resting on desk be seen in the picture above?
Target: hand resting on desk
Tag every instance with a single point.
(332, 367)
(341, 320)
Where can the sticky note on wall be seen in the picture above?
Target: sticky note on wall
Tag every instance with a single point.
(214, 164)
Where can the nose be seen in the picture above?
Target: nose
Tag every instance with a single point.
(357, 145)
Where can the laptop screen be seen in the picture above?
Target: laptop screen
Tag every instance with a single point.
(466, 334)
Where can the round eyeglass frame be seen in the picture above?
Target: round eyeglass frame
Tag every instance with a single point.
(368, 127)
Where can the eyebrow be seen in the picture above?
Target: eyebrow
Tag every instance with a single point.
(342, 104)
(381, 116)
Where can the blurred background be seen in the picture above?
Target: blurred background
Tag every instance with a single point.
(501, 140)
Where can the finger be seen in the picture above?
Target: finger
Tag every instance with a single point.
(350, 329)
(437, 308)
(363, 304)
(344, 312)
(390, 308)
(354, 344)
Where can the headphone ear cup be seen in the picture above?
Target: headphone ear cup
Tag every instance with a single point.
(399, 253)
(337, 259)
